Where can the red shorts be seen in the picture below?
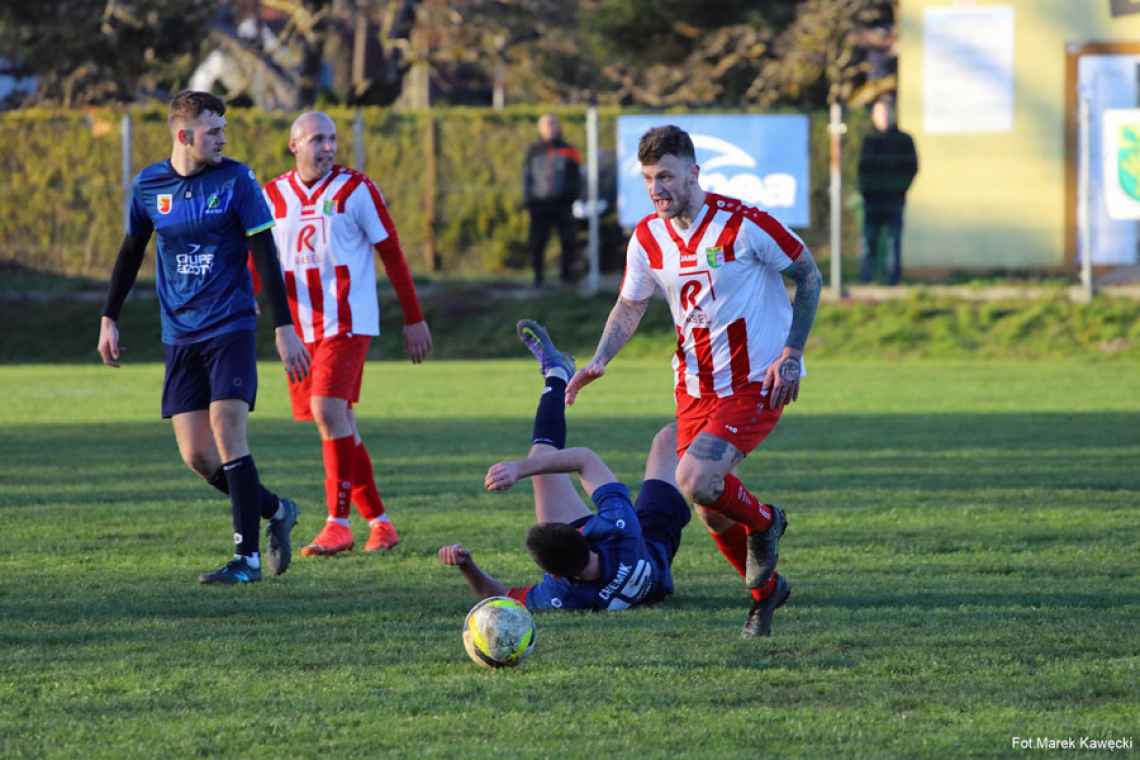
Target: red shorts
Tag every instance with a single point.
(336, 372)
(743, 419)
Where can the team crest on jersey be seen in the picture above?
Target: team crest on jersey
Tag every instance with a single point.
(217, 203)
(715, 256)
(328, 208)
(165, 202)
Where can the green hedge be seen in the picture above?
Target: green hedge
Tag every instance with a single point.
(62, 199)
(472, 321)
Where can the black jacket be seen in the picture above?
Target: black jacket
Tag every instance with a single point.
(887, 165)
(551, 173)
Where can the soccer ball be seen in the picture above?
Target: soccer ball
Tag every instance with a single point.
(498, 632)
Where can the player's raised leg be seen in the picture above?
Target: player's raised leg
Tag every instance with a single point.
(555, 498)
(661, 462)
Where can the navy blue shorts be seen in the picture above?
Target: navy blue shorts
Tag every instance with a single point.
(223, 367)
(663, 514)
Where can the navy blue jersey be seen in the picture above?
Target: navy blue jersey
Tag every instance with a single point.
(631, 574)
(202, 221)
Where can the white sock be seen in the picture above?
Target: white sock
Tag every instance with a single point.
(253, 560)
(381, 519)
(558, 372)
(339, 521)
(280, 513)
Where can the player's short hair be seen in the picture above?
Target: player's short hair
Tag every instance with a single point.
(669, 140)
(558, 548)
(190, 104)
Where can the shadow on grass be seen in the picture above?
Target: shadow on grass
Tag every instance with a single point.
(438, 464)
(179, 611)
(1028, 603)
(433, 457)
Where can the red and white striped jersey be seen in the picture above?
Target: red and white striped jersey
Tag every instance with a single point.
(724, 286)
(325, 237)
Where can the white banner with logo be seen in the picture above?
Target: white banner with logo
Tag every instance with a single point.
(1120, 130)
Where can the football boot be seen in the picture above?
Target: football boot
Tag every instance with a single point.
(759, 622)
(334, 538)
(537, 340)
(382, 537)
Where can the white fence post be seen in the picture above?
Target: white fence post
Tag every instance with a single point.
(837, 129)
(594, 246)
(1084, 248)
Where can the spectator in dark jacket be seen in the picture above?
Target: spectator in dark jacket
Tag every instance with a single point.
(887, 165)
(551, 183)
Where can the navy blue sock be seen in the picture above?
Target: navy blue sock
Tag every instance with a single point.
(267, 499)
(245, 503)
(218, 481)
(550, 417)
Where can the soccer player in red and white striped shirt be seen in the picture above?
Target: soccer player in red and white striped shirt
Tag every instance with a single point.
(330, 222)
(721, 265)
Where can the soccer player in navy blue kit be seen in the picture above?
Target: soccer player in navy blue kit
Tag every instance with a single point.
(208, 212)
(618, 557)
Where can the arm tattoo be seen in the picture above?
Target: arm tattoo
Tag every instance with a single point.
(809, 283)
(623, 321)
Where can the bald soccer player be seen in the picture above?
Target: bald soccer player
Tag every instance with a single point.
(330, 220)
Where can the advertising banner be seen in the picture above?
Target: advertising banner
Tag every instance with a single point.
(1121, 131)
(762, 160)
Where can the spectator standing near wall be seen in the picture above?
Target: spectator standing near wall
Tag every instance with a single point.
(552, 182)
(887, 165)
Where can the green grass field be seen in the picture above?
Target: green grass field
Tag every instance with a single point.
(964, 551)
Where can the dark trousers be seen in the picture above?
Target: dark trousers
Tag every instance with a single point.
(544, 218)
(882, 227)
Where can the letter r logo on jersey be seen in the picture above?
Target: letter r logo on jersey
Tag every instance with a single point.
(305, 238)
(690, 292)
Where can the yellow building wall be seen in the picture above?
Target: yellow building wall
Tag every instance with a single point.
(997, 200)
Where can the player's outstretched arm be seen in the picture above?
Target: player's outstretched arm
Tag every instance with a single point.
(782, 378)
(292, 351)
(622, 323)
(590, 468)
(123, 278)
(482, 584)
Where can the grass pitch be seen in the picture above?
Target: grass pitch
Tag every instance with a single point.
(964, 549)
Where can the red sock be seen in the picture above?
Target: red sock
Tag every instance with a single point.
(733, 545)
(365, 495)
(765, 591)
(338, 455)
(739, 504)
